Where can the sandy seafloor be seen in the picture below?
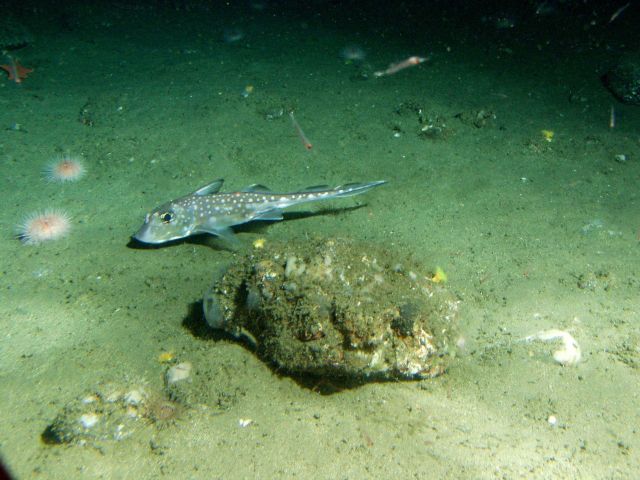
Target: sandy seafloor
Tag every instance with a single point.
(533, 235)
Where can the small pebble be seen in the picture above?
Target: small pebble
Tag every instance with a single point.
(134, 397)
(245, 422)
(88, 420)
(179, 372)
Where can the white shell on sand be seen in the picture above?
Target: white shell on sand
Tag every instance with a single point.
(178, 372)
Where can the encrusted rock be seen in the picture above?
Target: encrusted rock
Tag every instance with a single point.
(624, 79)
(106, 413)
(13, 34)
(337, 308)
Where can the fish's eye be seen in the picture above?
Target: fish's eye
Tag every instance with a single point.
(166, 217)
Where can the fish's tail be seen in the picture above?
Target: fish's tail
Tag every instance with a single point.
(350, 189)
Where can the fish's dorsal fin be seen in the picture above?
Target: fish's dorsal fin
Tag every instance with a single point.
(208, 189)
(349, 186)
(317, 188)
(256, 187)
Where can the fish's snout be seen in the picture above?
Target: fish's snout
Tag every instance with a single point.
(143, 234)
(161, 226)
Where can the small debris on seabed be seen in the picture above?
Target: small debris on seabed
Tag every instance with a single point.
(570, 353)
(245, 422)
(179, 372)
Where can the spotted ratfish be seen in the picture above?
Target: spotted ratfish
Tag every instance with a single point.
(208, 211)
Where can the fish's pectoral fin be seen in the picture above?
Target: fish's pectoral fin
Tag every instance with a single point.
(224, 233)
(208, 189)
(274, 215)
(227, 235)
(256, 187)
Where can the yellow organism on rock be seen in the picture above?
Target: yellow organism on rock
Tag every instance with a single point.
(548, 135)
(439, 276)
(259, 243)
(166, 357)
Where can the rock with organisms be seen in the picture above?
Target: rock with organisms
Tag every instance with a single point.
(337, 308)
(623, 80)
(103, 414)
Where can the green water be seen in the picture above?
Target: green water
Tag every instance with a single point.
(533, 235)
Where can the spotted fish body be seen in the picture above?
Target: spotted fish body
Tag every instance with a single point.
(208, 211)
